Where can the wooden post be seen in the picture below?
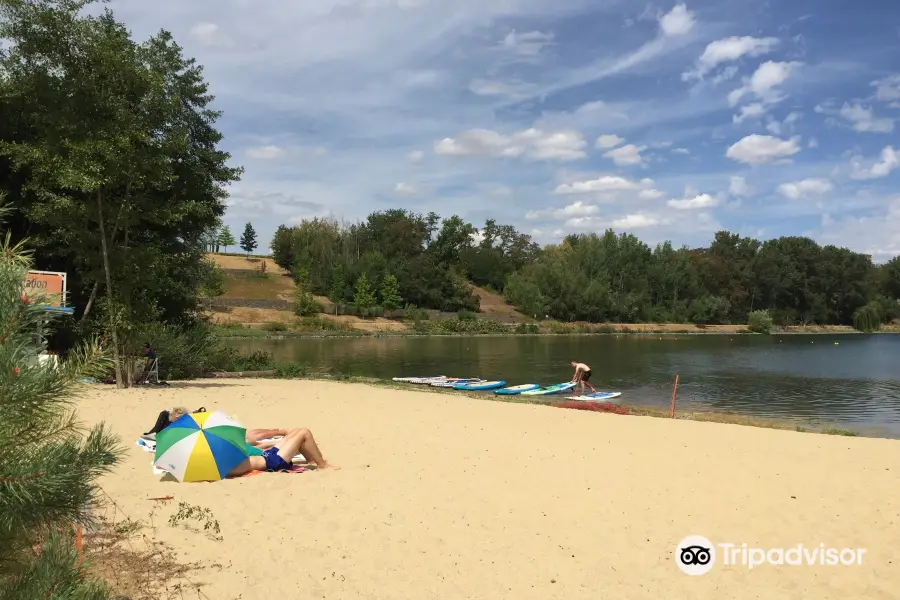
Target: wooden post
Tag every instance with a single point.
(674, 393)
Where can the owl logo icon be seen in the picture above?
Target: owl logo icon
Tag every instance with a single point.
(695, 555)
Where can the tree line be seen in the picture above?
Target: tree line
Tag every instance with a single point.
(110, 159)
(592, 277)
(399, 256)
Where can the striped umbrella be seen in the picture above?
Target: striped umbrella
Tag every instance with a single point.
(202, 446)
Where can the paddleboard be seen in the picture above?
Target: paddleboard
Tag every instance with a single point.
(551, 389)
(449, 383)
(596, 396)
(480, 385)
(419, 380)
(517, 389)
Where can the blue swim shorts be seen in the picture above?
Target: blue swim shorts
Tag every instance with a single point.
(275, 462)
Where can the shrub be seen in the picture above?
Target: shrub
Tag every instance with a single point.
(320, 324)
(560, 328)
(528, 328)
(759, 321)
(868, 318)
(305, 305)
(274, 326)
(291, 371)
(415, 314)
(466, 315)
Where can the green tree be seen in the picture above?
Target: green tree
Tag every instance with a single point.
(225, 238)
(248, 239)
(48, 468)
(390, 293)
(117, 176)
(759, 321)
(338, 290)
(364, 298)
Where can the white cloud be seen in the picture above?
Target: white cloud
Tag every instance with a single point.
(764, 81)
(813, 143)
(697, 202)
(677, 22)
(861, 169)
(576, 209)
(605, 183)
(265, 152)
(635, 221)
(626, 155)
(416, 156)
(531, 143)
(511, 89)
(609, 140)
(528, 44)
(405, 189)
(863, 119)
(680, 151)
(738, 187)
(888, 88)
(805, 188)
(728, 50)
(877, 234)
(651, 194)
(207, 34)
(758, 149)
(750, 111)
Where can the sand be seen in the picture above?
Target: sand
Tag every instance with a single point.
(444, 496)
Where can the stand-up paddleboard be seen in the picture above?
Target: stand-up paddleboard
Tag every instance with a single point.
(517, 389)
(596, 396)
(550, 389)
(480, 385)
(419, 380)
(449, 383)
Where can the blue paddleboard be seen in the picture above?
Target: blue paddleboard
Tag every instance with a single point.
(478, 386)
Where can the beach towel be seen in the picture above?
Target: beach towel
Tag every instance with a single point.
(293, 469)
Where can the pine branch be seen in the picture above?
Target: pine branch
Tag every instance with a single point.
(53, 575)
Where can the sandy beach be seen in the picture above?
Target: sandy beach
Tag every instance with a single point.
(445, 496)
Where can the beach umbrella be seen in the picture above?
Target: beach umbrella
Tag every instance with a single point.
(202, 446)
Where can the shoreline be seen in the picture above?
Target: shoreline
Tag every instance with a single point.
(232, 333)
(798, 424)
(450, 497)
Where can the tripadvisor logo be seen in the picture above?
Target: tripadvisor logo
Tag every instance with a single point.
(696, 555)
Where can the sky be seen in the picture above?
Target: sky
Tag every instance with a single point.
(666, 120)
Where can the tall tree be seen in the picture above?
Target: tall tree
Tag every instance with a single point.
(364, 298)
(225, 237)
(390, 293)
(105, 134)
(248, 239)
(48, 469)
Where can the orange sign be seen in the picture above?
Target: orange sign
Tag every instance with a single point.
(51, 287)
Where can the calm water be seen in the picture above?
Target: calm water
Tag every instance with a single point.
(808, 378)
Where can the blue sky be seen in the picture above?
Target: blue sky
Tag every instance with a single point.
(666, 120)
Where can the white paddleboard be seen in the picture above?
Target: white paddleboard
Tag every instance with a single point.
(596, 397)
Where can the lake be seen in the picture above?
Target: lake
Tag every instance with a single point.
(850, 381)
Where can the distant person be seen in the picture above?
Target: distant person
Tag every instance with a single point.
(582, 376)
(149, 359)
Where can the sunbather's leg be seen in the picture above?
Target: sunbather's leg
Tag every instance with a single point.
(301, 441)
(253, 436)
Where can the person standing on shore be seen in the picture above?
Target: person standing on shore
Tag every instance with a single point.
(582, 376)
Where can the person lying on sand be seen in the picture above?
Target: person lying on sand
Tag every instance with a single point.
(278, 458)
(258, 438)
